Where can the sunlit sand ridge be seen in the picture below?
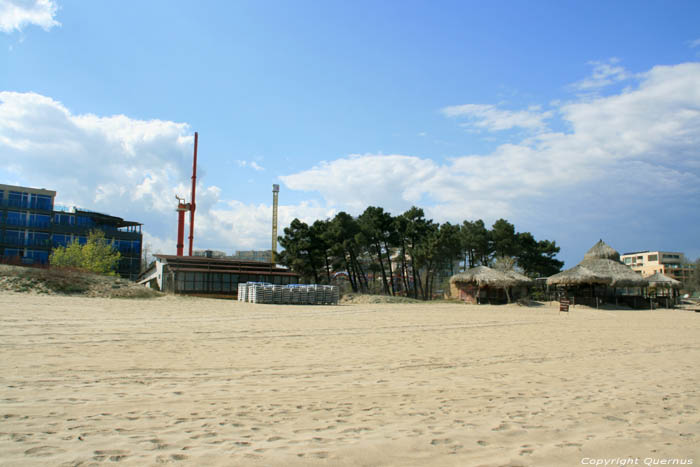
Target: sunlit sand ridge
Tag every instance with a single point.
(211, 382)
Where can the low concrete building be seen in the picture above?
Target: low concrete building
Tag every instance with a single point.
(197, 275)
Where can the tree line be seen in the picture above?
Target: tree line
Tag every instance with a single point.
(408, 252)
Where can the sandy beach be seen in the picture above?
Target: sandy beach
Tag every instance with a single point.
(214, 382)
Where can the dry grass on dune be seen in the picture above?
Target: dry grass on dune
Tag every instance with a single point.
(64, 281)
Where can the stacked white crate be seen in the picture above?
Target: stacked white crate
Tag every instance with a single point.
(331, 294)
(286, 295)
(297, 294)
(242, 292)
(277, 294)
(268, 290)
(310, 294)
(255, 293)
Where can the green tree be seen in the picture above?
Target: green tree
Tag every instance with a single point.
(375, 233)
(297, 252)
(475, 243)
(537, 258)
(97, 255)
(503, 239)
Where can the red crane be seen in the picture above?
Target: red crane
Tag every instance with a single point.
(183, 207)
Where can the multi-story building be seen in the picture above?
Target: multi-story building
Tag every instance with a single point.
(648, 263)
(209, 253)
(263, 256)
(30, 227)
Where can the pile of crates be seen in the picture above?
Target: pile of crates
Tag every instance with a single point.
(297, 294)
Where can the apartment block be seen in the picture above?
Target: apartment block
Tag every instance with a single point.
(31, 226)
(648, 263)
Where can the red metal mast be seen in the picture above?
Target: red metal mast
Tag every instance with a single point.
(194, 182)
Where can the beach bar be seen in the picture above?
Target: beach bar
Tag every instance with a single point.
(197, 275)
(600, 278)
(481, 284)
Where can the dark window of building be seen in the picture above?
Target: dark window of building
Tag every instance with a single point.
(11, 252)
(84, 221)
(15, 218)
(41, 202)
(61, 240)
(39, 220)
(37, 256)
(37, 238)
(653, 257)
(14, 237)
(64, 219)
(82, 240)
(18, 199)
(215, 279)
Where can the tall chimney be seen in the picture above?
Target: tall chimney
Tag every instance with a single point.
(275, 194)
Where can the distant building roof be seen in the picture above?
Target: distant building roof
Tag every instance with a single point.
(204, 264)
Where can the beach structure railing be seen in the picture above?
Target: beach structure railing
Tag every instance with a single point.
(294, 294)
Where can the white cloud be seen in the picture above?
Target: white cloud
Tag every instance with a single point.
(627, 158)
(16, 14)
(695, 43)
(252, 164)
(126, 167)
(491, 118)
(641, 144)
(604, 74)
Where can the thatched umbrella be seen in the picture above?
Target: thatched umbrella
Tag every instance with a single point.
(661, 279)
(667, 284)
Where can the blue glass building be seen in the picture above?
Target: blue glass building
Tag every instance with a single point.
(30, 227)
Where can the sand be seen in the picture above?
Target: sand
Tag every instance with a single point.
(214, 382)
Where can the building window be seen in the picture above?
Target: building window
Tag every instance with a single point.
(84, 221)
(653, 257)
(64, 219)
(39, 220)
(14, 237)
(61, 240)
(37, 256)
(18, 199)
(15, 218)
(11, 252)
(37, 238)
(42, 202)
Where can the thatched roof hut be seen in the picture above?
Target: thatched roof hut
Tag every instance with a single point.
(600, 265)
(484, 276)
(483, 284)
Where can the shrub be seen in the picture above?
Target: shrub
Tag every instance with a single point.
(97, 255)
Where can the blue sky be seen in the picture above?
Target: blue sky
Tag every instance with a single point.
(575, 121)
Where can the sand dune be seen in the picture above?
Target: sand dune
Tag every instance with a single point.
(211, 382)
